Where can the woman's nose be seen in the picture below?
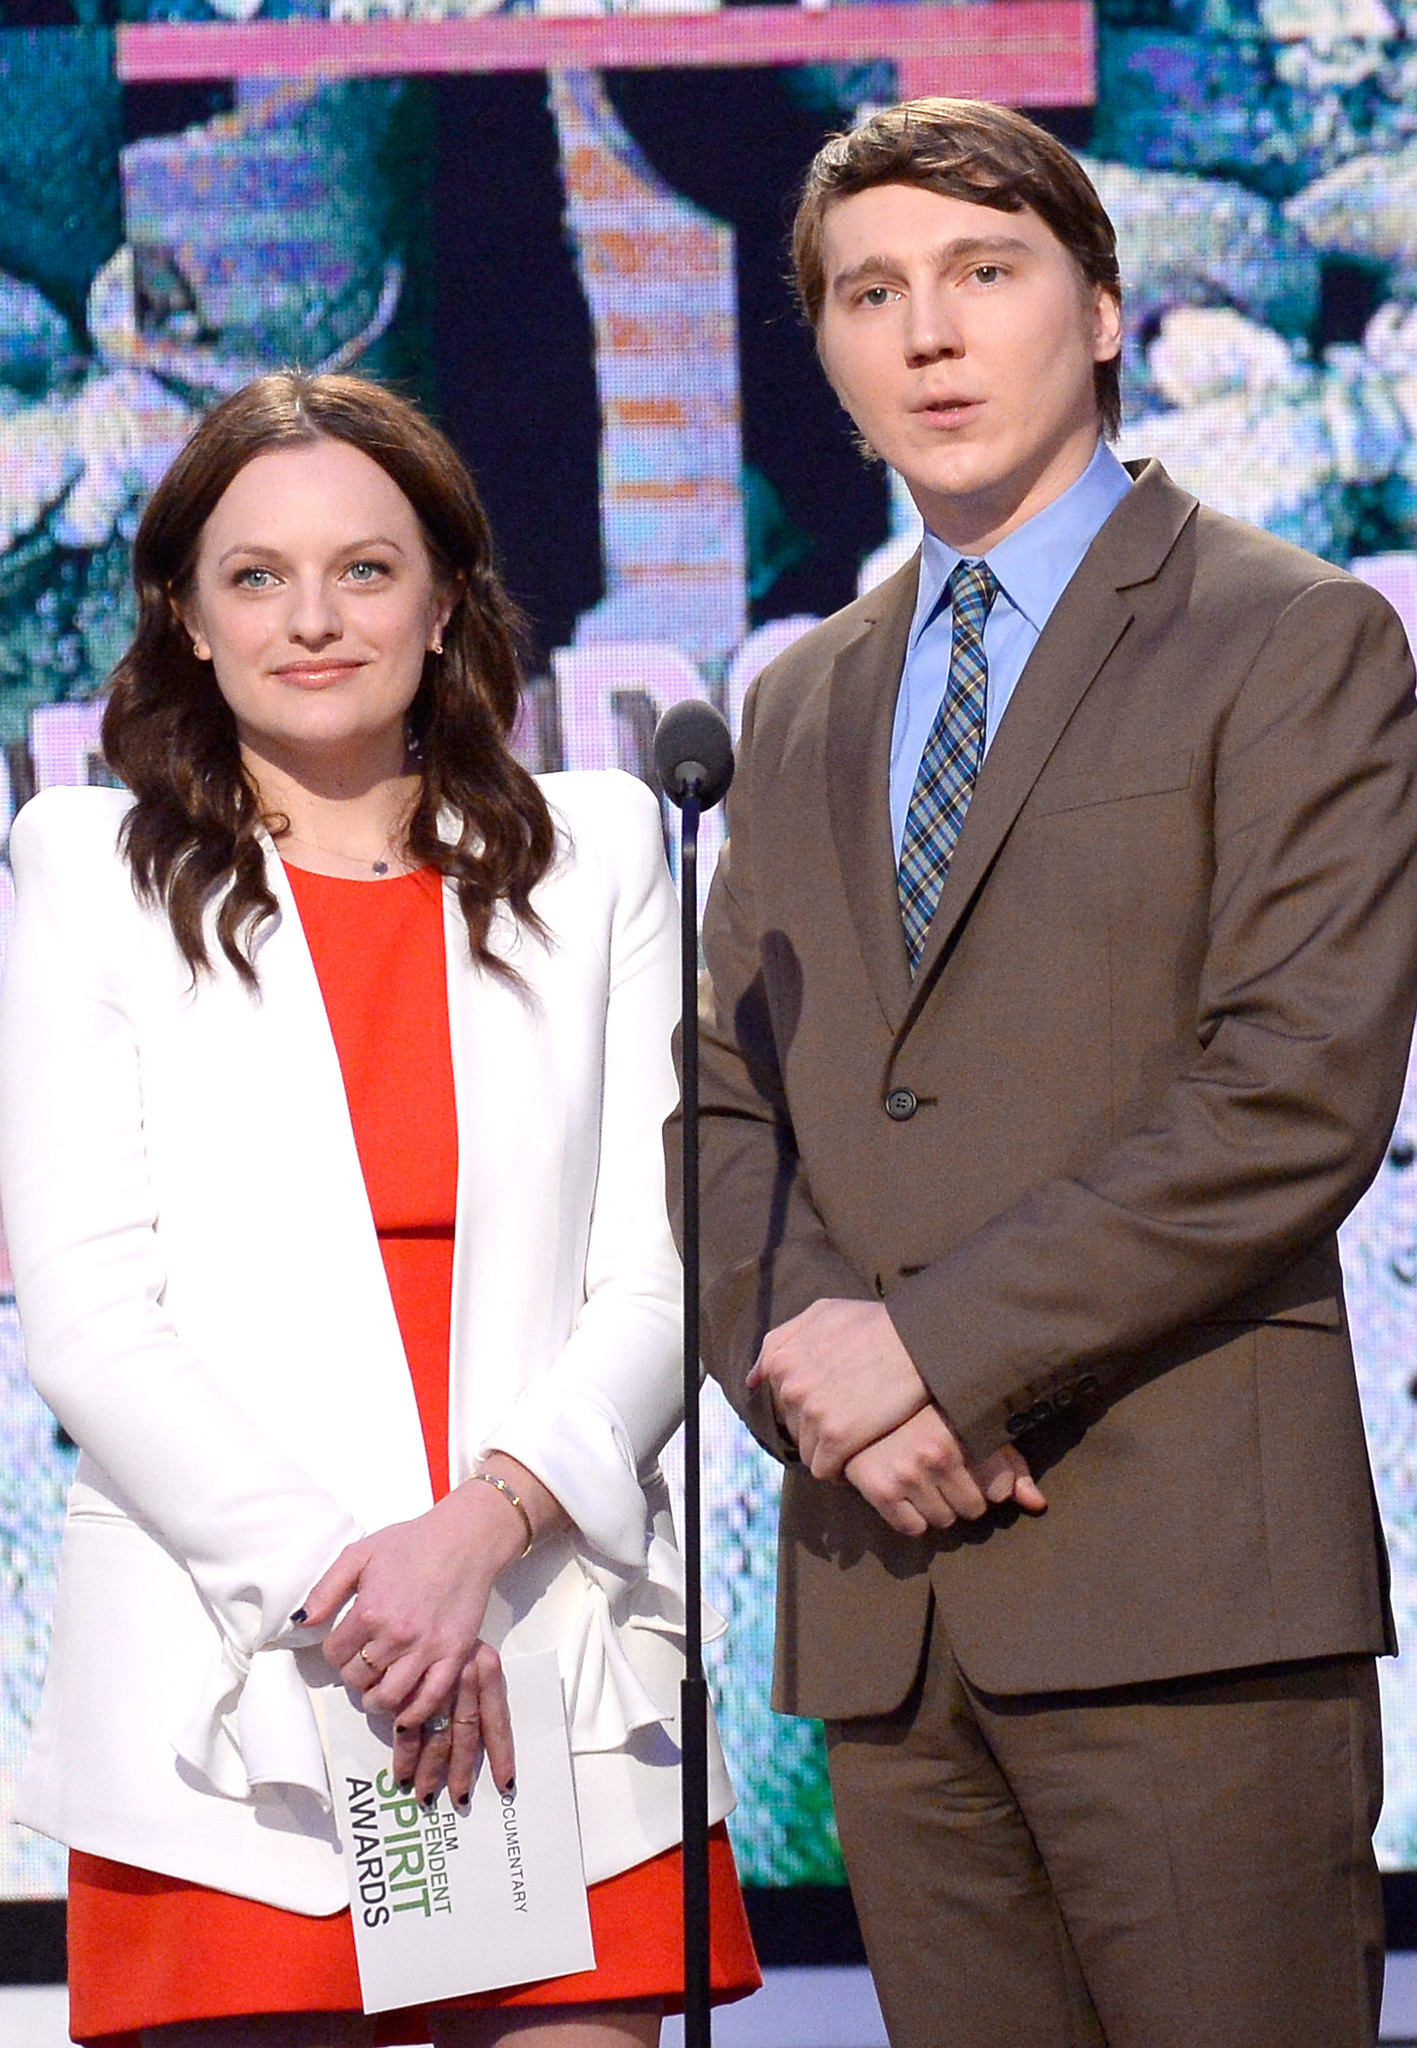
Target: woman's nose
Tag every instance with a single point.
(314, 615)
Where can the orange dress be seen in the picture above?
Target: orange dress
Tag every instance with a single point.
(146, 1950)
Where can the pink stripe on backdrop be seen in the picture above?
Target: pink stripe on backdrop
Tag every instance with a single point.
(1033, 53)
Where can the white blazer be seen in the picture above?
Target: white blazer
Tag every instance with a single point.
(205, 1310)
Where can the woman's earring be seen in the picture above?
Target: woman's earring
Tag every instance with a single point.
(201, 650)
(437, 646)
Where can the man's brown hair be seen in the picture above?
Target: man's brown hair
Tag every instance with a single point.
(964, 149)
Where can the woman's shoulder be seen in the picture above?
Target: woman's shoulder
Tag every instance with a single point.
(62, 829)
(607, 814)
(70, 836)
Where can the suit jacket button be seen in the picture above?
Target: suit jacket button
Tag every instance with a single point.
(901, 1105)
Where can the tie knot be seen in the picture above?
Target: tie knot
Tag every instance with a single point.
(972, 587)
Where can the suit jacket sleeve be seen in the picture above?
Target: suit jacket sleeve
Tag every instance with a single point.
(1268, 1136)
(767, 1255)
(598, 1419)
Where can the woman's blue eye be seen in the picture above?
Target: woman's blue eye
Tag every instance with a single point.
(365, 572)
(251, 578)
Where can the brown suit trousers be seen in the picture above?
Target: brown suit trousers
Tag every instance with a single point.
(1094, 1155)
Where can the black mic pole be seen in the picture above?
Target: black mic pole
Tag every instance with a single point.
(693, 1692)
(694, 755)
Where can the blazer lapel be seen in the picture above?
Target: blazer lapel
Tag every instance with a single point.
(1091, 617)
(865, 678)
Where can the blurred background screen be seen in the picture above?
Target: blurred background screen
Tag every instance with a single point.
(564, 228)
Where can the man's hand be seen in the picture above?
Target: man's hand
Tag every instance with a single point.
(918, 1477)
(839, 1378)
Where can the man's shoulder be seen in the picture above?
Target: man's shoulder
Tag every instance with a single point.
(1220, 560)
(1248, 558)
(808, 662)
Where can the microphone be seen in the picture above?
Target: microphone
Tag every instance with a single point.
(693, 753)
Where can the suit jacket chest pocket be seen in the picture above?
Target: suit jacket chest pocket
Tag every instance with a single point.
(1112, 783)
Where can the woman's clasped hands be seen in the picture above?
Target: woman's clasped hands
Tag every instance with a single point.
(410, 1643)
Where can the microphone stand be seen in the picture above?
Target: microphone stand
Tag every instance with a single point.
(693, 1689)
(693, 754)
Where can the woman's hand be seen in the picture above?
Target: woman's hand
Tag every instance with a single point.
(411, 1644)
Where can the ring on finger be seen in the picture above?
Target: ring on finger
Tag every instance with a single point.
(365, 1658)
(466, 1720)
(437, 1724)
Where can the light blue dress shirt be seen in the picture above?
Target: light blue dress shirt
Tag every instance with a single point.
(1033, 566)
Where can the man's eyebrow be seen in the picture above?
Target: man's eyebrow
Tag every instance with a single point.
(255, 547)
(960, 250)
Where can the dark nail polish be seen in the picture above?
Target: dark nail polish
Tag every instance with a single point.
(430, 1802)
(511, 1791)
(405, 1785)
(464, 1805)
(298, 1617)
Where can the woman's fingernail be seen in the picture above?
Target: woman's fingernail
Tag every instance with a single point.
(430, 1802)
(298, 1617)
(464, 1805)
(405, 1785)
(511, 1789)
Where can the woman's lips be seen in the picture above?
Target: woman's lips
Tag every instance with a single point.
(317, 675)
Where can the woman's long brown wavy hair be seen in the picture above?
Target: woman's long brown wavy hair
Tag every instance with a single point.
(192, 838)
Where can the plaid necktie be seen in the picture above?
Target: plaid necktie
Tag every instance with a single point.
(949, 765)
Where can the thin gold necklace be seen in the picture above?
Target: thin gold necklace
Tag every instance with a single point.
(379, 867)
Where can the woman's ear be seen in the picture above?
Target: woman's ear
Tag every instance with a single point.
(445, 604)
(187, 620)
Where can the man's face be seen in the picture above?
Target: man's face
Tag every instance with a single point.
(962, 342)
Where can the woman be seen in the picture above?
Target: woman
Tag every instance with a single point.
(332, 1065)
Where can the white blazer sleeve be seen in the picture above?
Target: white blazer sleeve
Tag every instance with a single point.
(253, 1528)
(600, 1416)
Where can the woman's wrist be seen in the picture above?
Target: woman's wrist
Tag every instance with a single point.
(541, 1513)
(513, 1500)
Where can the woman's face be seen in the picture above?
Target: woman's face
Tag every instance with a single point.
(315, 601)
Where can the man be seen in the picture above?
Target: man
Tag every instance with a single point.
(1065, 957)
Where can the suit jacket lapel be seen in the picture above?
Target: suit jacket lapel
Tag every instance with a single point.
(1090, 619)
(865, 678)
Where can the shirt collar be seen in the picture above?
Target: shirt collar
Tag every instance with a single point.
(1036, 562)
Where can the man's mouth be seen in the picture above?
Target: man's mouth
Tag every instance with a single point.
(947, 412)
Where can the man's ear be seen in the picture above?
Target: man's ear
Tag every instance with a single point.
(1107, 325)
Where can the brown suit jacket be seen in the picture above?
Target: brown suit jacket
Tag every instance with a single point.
(1155, 1046)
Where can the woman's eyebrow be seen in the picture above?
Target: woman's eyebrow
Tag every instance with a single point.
(253, 547)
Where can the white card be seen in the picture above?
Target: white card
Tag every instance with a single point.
(447, 1903)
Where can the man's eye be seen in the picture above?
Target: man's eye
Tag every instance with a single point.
(987, 273)
(876, 295)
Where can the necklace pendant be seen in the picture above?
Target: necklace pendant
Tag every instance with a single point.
(381, 867)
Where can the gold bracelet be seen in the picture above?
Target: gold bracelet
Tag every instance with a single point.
(491, 1479)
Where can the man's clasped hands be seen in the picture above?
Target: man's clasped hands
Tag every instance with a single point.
(846, 1390)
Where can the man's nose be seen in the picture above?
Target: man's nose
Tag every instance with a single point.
(931, 330)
